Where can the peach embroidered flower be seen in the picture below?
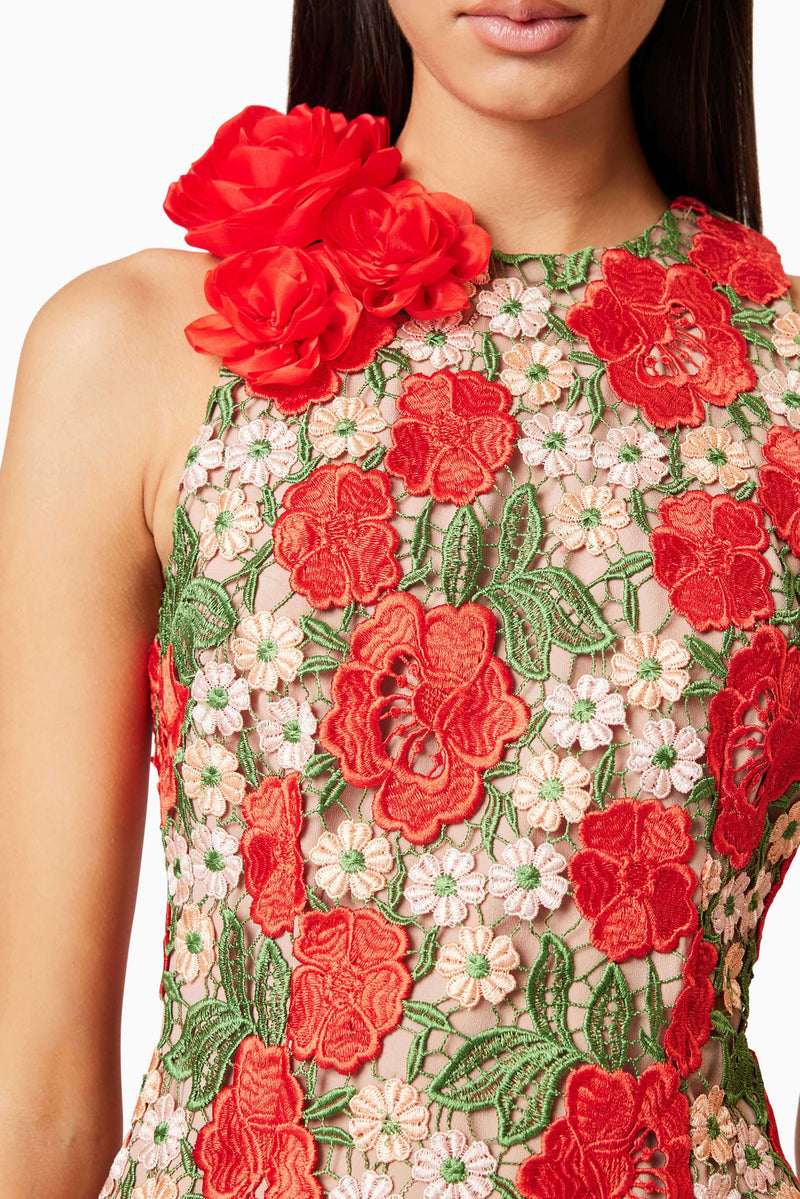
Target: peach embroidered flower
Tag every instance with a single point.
(150, 1089)
(369, 1186)
(162, 1129)
(632, 456)
(267, 649)
(347, 424)
(513, 308)
(719, 1186)
(220, 698)
(666, 757)
(454, 1167)
(351, 859)
(785, 836)
(651, 669)
(537, 372)
(591, 518)
(441, 341)
(732, 968)
(787, 1191)
(478, 966)
(711, 879)
(554, 442)
(713, 1129)
(215, 862)
(179, 867)
(118, 1167)
(195, 943)
(227, 524)
(714, 456)
(585, 713)
(781, 392)
(262, 448)
(156, 1188)
(754, 902)
(205, 453)
(786, 335)
(729, 906)
(551, 789)
(444, 887)
(755, 1165)
(211, 776)
(529, 877)
(388, 1120)
(287, 730)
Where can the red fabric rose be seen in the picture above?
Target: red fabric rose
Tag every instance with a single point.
(419, 710)
(402, 247)
(779, 483)
(690, 1023)
(255, 1134)
(348, 991)
(273, 863)
(632, 880)
(335, 537)
(284, 320)
(267, 176)
(707, 554)
(168, 699)
(754, 740)
(620, 1136)
(731, 253)
(665, 336)
(453, 433)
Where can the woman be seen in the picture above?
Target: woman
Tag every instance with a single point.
(466, 612)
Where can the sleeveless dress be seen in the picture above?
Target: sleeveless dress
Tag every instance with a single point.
(476, 691)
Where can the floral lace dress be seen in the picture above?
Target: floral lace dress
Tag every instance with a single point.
(476, 692)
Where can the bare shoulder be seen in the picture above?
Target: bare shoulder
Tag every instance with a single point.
(107, 359)
(794, 289)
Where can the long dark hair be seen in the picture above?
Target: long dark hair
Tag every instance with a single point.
(691, 85)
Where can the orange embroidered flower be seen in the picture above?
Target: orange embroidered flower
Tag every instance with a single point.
(348, 990)
(273, 864)
(168, 699)
(453, 433)
(665, 336)
(335, 537)
(420, 710)
(255, 1133)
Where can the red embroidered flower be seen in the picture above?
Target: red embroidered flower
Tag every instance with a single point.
(754, 739)
(284, 320)
(632, 880)
(731, 253)
(665, 336)
(690, 1023)
(420, 710)
(267, 176)
(273, 863)
(402, 247)
(620, 1136)
(255, 1134)
(168, 699)
(335, 537)
(707, 554)
(453, 433)
(779, 483)
(348, 990)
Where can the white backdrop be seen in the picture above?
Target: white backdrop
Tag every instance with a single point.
(103, 105)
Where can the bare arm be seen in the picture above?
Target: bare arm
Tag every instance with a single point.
(97, 413)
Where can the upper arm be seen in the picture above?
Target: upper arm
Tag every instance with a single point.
(79, 590)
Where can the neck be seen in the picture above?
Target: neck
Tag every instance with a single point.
(557, 183)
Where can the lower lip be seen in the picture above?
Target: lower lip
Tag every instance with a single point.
(527, 37)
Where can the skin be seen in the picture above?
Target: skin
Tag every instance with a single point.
(108, 399)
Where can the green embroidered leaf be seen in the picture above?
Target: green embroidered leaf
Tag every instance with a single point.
(576, 621)
(395, 887)
(655, 1014)
(490, 355)
(575, 270)
(421, 534)
(318, 764)
(244, 753)
(318, 664)
(462, 556)
(391, 913)
(594, 398)
(426, 1014)
(630, 605)
(526, 631)
(374, 458)
(736, 414)
(559, 327)
(471, 1078)
(528, 1088)
(639, 510)
(608, 1015)
(427, 952)
(315, 902)
(628, 566)
(330, 1104)
(603, 775)
(331, 791)
(707, 657)
(754, 402)
(269, 506)
(375, 379)
(232, 957)
(503, 1187)
(547, 991)
(491, 820)
(416, 1054)
(741, 1074)
(222, 398)
(271, 992)
(171, 989)
(322, 634)
(520, 532)
(126, 1186)
(305, 452)
(185, 547)
(211, 1034)
(187, 1160)
(332, 1136)
(745, 491)
(702, 688)
(395, 356)
(203, 617)
(651, 1047)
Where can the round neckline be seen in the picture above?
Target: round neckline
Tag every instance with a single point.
(523, 255)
